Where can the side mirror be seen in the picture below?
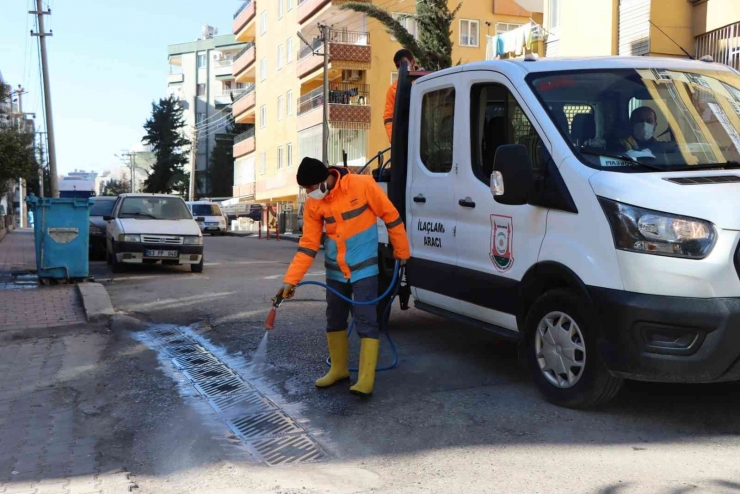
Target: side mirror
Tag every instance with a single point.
(107, 218)
(512, 181)
(200, 219)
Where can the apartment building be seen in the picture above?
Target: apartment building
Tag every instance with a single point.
(284, 77)
(201, 77)
(644, 27)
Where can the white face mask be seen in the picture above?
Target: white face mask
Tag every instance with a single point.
(320, 192)
(643, 131)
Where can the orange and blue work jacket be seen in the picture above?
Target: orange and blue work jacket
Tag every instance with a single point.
(350, 212)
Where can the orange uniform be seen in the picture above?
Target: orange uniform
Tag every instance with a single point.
(350, 212)
(390, 106)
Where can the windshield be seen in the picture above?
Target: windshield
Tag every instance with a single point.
(158, 208)
(102, 208)
(661, 118)
(206, 210)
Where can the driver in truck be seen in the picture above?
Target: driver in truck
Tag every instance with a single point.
(349, 207)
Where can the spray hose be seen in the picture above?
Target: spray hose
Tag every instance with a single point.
(392, 290)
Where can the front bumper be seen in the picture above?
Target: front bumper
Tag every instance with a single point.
(133, 252)
(668, 339)
(211, 228)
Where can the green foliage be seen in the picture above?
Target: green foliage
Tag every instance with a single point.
(221, 166)
(17, 155)
(164, 134)
(433, 50)
(116, 187)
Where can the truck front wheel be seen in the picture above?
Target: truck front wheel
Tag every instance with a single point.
(562, 354)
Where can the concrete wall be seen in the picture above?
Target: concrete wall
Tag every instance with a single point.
(587, 27)
(714, 14)
(675, 19)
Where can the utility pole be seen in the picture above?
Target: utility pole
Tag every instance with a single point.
(325, 33)
(193, 156)
(42, 34)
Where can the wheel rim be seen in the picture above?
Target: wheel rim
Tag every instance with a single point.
(560, 350)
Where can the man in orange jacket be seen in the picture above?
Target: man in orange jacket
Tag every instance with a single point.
(401, 56)
(349, 206)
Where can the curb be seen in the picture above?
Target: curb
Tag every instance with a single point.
(96, 301)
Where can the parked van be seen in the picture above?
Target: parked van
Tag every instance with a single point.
(589, 209)
(209, 217)
(151, 228)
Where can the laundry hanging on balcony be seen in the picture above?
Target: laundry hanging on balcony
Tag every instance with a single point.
(514, 42)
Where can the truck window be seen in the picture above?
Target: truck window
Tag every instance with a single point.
(437, 130)
(497, 119)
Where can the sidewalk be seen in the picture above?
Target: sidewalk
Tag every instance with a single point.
(25, 305)
(290, 237)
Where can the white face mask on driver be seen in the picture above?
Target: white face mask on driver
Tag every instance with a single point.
(320, 192)
(643, 131)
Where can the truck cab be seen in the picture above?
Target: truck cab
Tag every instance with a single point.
(589, 209)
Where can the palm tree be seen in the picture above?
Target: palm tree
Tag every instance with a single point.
(433, 50)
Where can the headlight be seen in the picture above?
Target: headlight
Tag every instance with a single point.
(652, 232)
(192, 240)
(129, 238)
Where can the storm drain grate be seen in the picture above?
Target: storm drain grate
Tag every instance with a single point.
(165, 333)
(219, 387)
(265, 424)
(243, 404)
(187, 349)
(176, 341)
(195, 361)
(207, 373)
(288, 450)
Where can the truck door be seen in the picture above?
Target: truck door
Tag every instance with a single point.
(496, 243)
(430, 196)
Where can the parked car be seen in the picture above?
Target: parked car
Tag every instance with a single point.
(101, 206)
(209, 217)
(151, 228)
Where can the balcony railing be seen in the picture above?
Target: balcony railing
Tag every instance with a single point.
(244, 50)
(241, 92)
(241, 9)
(339, 94)
(226, 62)
(308, 50)
(349, 37)
(722, 44)
(244, 136)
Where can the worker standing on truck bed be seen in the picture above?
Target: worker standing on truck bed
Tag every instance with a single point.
(349, 206)
(401, 56)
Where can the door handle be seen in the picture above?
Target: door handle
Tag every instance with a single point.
(420, 198)
(466, 203)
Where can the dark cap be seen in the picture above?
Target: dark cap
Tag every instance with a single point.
(311, 172)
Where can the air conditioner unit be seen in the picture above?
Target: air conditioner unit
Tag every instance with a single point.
(218, 56)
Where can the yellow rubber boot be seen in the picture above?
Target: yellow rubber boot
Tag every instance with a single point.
(339, 352)
(368, 362)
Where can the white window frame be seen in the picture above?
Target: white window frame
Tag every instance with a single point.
(406, 18)
(508, 27)
(289, 151)
(263, 116)
(263, 69)
(289, 105)
(290, 5)
(281, 9)
(200, 117)
(554, 13)
(280, 158)
(280, 104)
(280, 57)
(263, 163)
(289, 49)
(263, 23)
(204, 58)
(470, 23)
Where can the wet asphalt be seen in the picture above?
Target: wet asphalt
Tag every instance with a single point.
(459, 414)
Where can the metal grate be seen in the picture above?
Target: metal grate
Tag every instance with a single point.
(719, 179)
(195, 361)
(184, 349)
(207, 373)
(220, 387)
(288, 450)
(161, 239)
(272, 423)
(243, 404)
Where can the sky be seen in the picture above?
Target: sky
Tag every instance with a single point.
(107, 63)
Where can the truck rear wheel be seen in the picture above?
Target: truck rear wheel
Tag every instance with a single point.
(562, 354)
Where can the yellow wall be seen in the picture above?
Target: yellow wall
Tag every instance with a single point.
(675, 19)
(715, 14)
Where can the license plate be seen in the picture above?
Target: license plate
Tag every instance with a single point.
(161, 253)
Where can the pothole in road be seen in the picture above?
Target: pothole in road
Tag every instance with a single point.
(269, 433)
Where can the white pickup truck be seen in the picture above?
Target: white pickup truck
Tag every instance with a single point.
(587, 208)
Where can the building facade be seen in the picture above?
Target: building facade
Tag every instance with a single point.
(201, 77)
(644, 27)
(285, 76)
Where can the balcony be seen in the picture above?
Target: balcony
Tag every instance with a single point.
(244, 67)
(222, 69)
(244, 105)
(308, 8)
(175, 78)
(244, 21)
(244, 143)
(348, 107)
(246, 190)
(722, 44)
(347, 50)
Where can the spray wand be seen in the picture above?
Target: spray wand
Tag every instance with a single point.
(270, 322)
